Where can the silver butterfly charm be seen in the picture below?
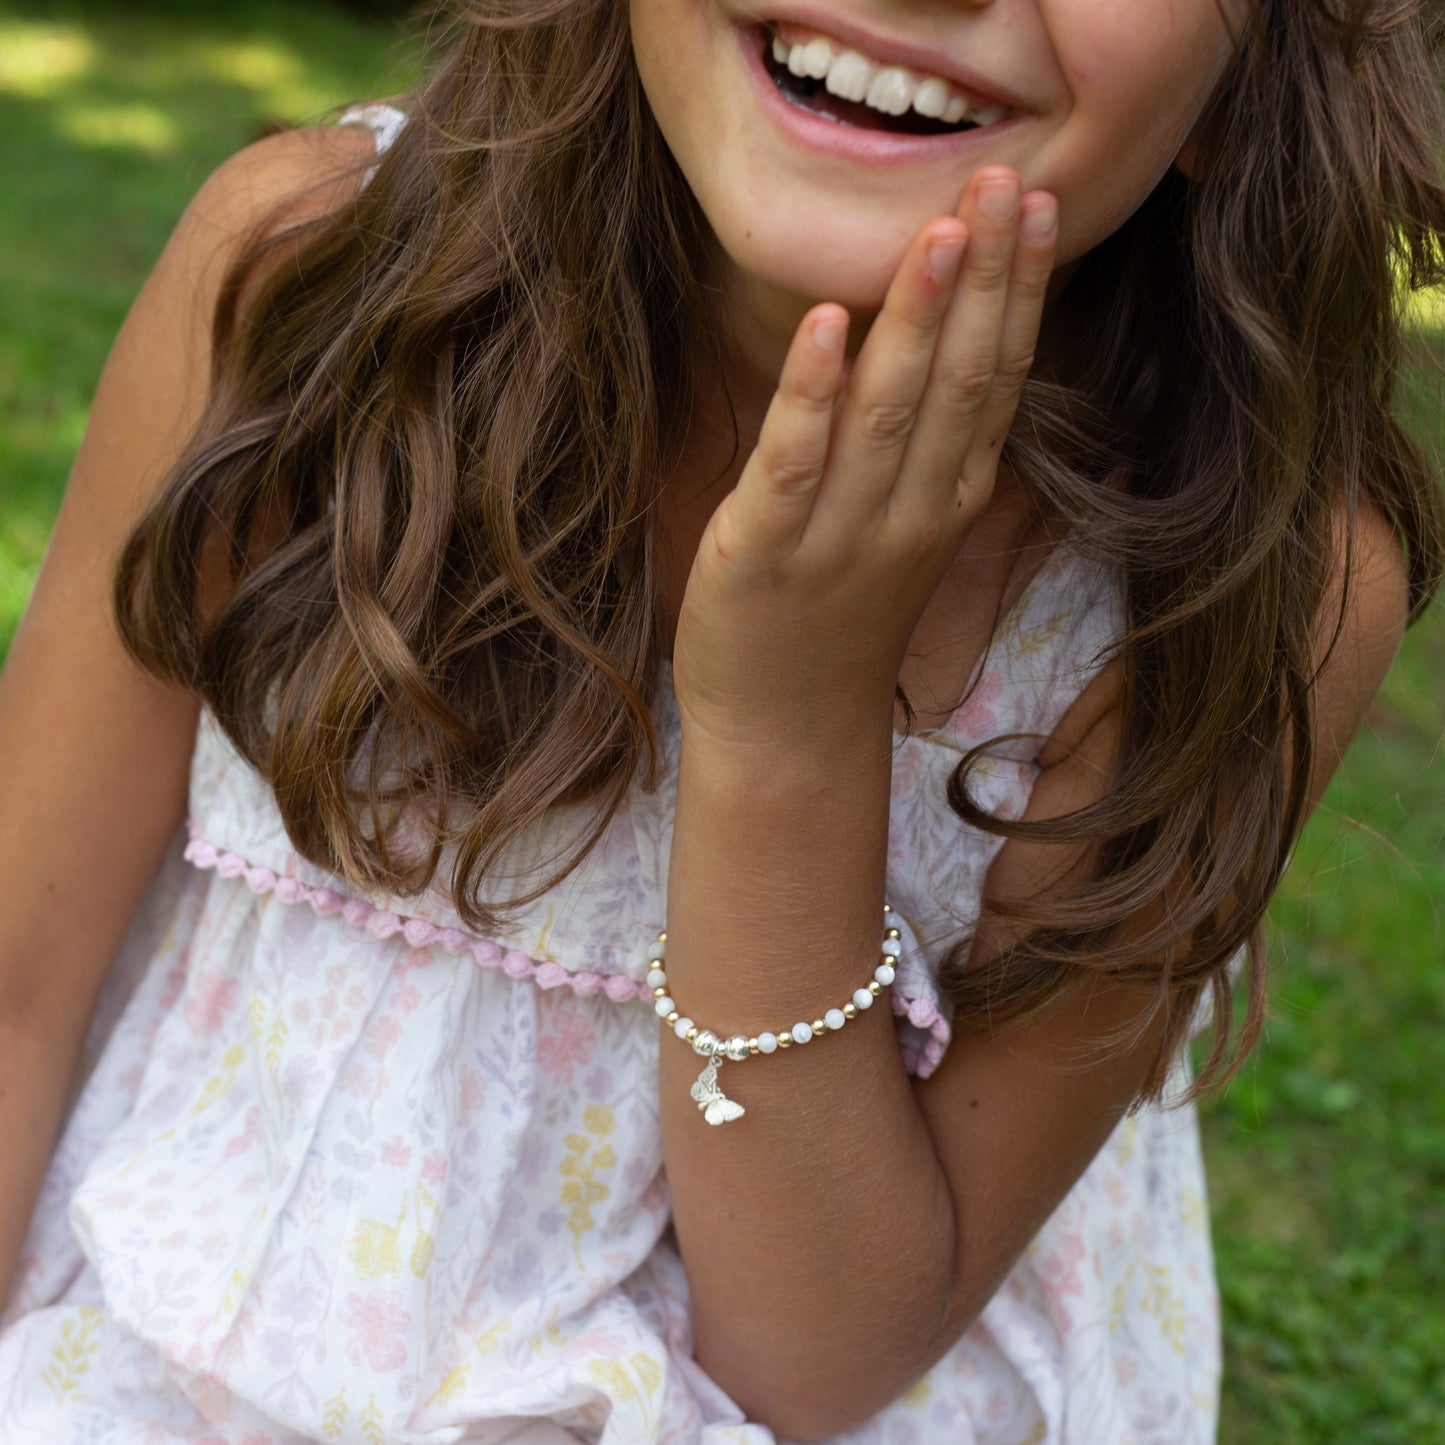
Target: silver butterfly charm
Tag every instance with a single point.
(716, 1107)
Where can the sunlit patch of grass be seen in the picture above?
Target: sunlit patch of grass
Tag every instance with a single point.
(120, 127)
(273, 74)
(38, 60)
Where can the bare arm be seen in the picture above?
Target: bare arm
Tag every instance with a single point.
(98, 751)
(839, 1245)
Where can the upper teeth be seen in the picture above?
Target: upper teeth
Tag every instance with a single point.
(892, 89)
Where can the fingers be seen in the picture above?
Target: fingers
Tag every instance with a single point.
(984, 354)
(774, 496)
(891, 374)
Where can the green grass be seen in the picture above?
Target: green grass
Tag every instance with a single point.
(1327, 1155)
(111, 115)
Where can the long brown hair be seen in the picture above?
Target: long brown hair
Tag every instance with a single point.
(434, 445)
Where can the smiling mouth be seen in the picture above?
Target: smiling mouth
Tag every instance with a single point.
(828, 80)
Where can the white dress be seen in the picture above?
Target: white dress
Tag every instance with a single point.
(341, 1171)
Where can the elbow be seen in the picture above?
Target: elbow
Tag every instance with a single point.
(830, 1376)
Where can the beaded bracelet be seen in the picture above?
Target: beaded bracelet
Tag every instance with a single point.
(717, 1108)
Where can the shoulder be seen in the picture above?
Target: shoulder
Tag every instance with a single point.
(269, 187)
(1359, 630)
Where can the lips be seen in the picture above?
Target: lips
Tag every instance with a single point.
(869, 145)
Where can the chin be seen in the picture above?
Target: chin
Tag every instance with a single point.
(839, 258)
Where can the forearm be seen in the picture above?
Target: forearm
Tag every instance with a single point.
(35, 1070)
(817, 1231)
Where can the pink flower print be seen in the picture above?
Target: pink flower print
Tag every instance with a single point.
(565, 1044)
(175, 1240)
(396, 1152)
(328, 1006)
(405, 997)
(434, 1169)
(1061, 1266)
(243, 1141)
(213, 1246)
(473, 1096)
(377, 1324)
(301, 1012)
(381, 1036)
(356, 1082)
(210, 995)
(975, 715)
(336, 975)
(355, 996)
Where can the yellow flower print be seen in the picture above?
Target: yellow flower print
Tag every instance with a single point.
(71, 1358)
(582, 1188)
(375, 1247)
(336, 1413)
(371, 1423)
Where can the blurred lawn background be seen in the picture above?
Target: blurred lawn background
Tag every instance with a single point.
(1327, 1155)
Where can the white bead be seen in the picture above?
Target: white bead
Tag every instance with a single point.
(737, 1047)
(767, 1043)
(885, 973)
(801, 1033)
(664, 1006)
(657, 950)
(834, 1018)
(681, 1027)
(657, 979)
(863, 999)
(893, 946)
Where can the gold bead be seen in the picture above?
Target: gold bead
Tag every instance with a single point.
(892, 933)
(659, 992)
(692, 1034)
(673, 1017)
(753, 1047)
(887, 906)
(850, 1010)
(662, 937)
(874, 987)
(785, 1039)
(819, 1027)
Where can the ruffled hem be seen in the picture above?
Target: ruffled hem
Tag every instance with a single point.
(925, 1015)
(382, 923)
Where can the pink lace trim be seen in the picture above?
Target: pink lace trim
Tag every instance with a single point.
(380, 923)
(922, 1013)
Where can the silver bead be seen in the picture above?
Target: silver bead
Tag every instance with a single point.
(736, 1047)
(706, 1043)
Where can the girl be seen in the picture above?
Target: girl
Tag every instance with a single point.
(713, 472)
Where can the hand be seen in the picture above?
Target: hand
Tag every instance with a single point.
(814, 570)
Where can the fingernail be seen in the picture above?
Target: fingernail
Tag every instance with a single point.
(944, 254)
(829, 333)
(1041, 221)
(998, 197)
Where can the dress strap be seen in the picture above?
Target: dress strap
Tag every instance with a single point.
(385, 122)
